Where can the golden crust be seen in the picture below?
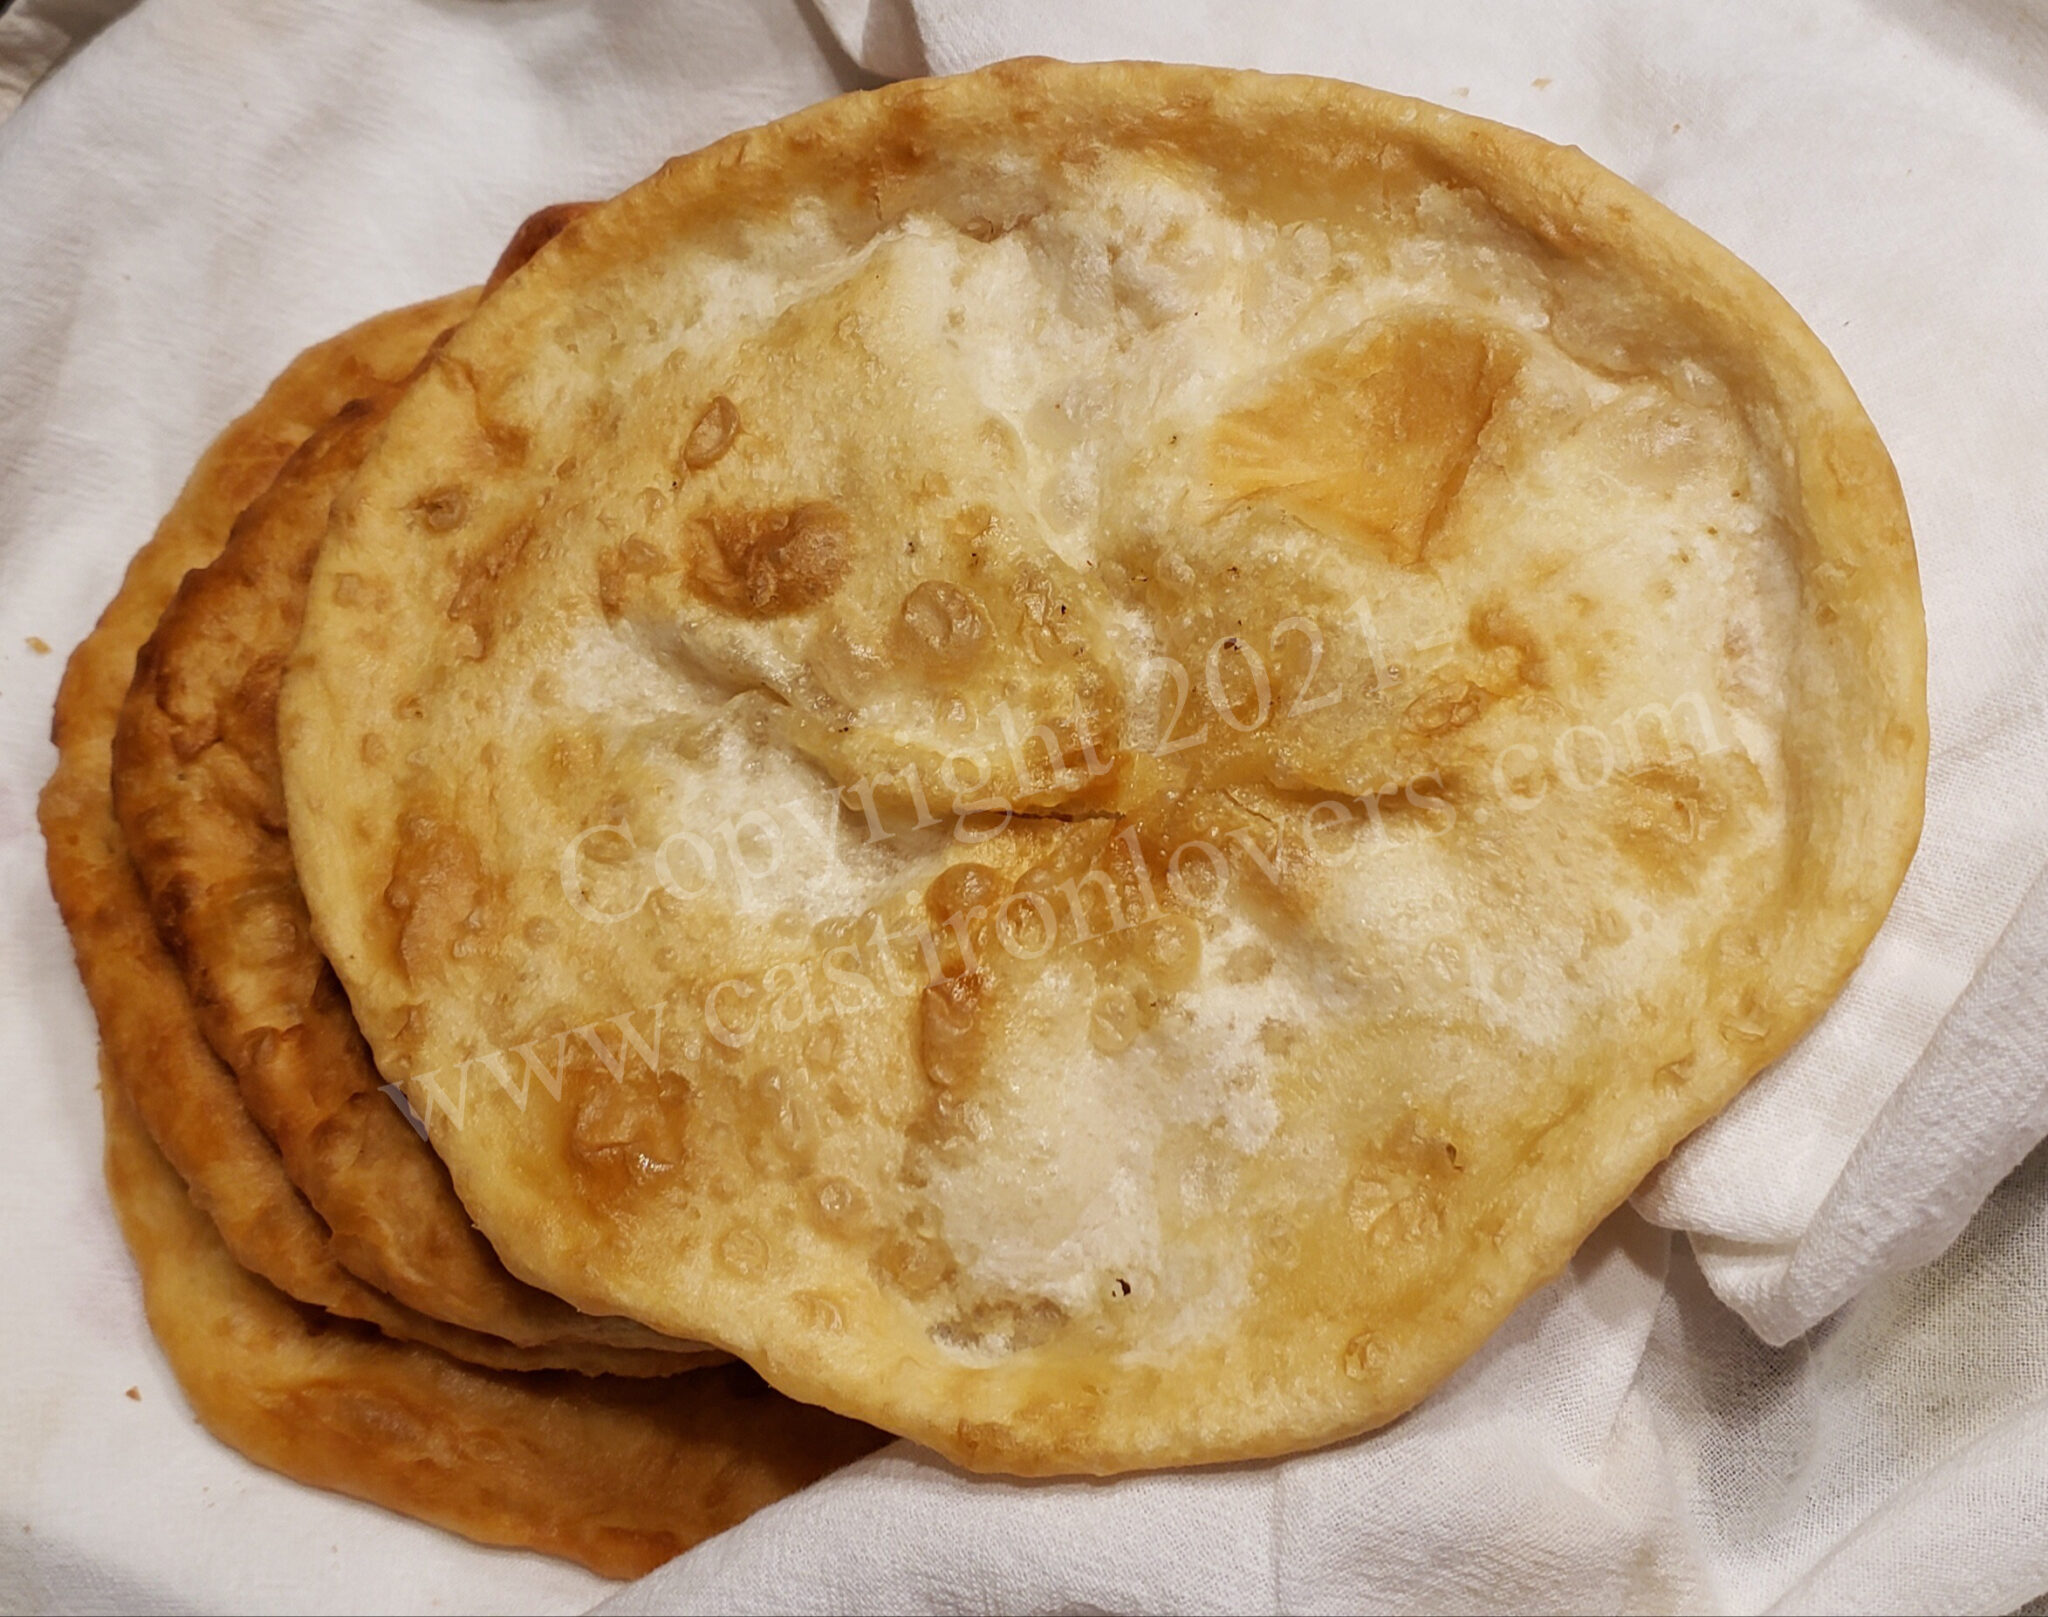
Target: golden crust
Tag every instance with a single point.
(619, 1475)
(151, 1038)
(199, 802)
(796, 466)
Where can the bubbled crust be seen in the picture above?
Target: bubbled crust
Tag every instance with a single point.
(150, 1035)
(618, 1475)
(728, 514)
(197, 794)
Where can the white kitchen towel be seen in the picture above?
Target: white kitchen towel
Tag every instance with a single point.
(1624, 1444)
(35, 35)
(214, 183)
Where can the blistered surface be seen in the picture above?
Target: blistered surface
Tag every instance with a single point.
(1105, 817)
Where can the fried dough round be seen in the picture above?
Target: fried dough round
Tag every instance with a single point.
(1173, 722)
(149, 1032)
(618, 1475)
(197, 795)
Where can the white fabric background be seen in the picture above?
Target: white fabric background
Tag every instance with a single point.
(214, 183)
(35, 35)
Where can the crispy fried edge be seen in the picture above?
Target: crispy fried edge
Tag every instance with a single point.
(619, 1475)
(185, 1096)
(201, 823)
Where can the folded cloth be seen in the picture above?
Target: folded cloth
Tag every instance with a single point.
(213, 183)
(35, 35)
(1625, 1443)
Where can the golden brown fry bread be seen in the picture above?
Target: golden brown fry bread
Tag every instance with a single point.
(619, 1475)
(197, 794)
(1212, 707)
(535, 231)
(151, 1037)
